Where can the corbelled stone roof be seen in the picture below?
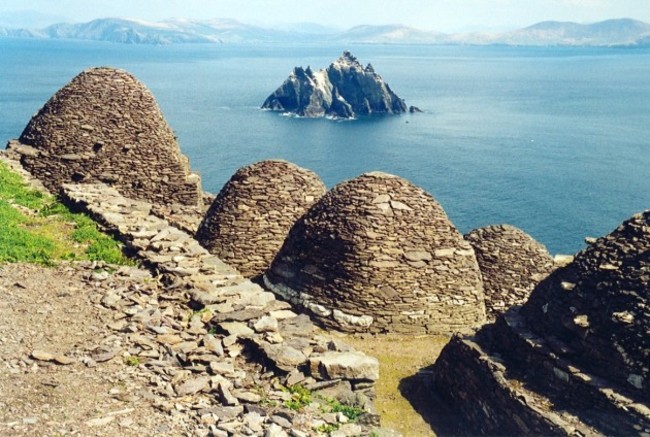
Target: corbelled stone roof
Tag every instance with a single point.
(511, 262)
(379, 254)
(105, 125)
(250, 218)
(600, 305)
(581, 344)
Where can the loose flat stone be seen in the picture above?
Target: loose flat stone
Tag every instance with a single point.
(237, 328)
(102, 356)
(347, 430)
(295, 377)
(253, 421)
(170, 339)
(247, 396)
(226, 396)
(63, 360)
(300, 326)
(228, 413)
(222, 368)
(284, 357)
(192, 386)
(205, 298)
(42, 355)
(100, 421)
(225, 307)
(275, 430)
(345, 365)
(283, 314)
(212, 344)
(229, 340)
(238, 316)
(266, 324)
(281, 421)
(256, 298)
(274, 337)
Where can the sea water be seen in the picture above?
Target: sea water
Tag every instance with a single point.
(553, 140)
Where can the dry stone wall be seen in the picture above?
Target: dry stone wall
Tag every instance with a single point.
(511, 264)
(250, 218)
(599, 305)
(576, 352)
(475, 387)
(106, 126)
(243, 313)
(378, 254)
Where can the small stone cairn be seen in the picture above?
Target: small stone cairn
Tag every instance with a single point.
(511, 262)
(378, 254)
(106, 126)
(573, 360)
(250, 218)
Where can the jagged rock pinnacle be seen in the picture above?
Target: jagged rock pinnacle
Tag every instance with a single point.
(345, 89)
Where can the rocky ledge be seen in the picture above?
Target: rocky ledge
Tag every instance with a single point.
(345, 89)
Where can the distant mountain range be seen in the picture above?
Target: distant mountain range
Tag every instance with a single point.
(622, 32)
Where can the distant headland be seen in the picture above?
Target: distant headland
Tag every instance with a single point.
(345, 89)
(620, 32)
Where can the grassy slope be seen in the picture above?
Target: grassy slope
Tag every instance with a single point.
(34, 227)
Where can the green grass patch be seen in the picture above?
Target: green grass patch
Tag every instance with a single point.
(35, 227)
(326, 428)
(352, 412)
(14, 190)
(132, 361)
(300, 397)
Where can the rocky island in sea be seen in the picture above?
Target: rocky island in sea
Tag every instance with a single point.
(345, 89)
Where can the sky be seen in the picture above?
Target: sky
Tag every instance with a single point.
(439, 15)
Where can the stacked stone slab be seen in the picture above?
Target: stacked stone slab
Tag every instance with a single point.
(574, 359)
(378, 254)
(250, 218)
(511, 262)
(287, 343)
(599, 306)
(106, 126)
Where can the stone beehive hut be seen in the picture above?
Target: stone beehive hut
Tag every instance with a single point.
(105, 125)
(378, 254)
(511, 262)
(581, 343)
(599, 305)
(250, 218)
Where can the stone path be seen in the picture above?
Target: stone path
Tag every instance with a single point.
(63, 353)
(235, 342)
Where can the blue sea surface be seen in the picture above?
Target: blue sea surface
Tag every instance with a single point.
(553, 140)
